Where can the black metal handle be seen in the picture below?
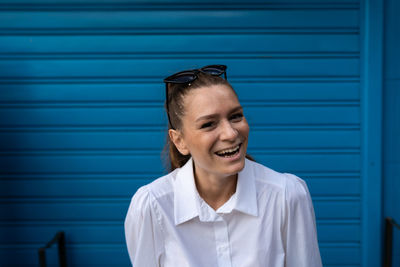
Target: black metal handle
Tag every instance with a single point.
(390, 223)
(59, 238)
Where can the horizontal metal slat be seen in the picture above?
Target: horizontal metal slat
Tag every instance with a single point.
(139, 140)
(77, 256)
(179, 44)
(135, 92)
(165, 3)
(155, 116)
(334, 186)
(111, 188)
(340, 233)
(292, 139)
(106, 210)
(180, 19)
(342, 256)
(169, 2)
(142, 163)
(81, 68)
(311, 162)
(114, 234)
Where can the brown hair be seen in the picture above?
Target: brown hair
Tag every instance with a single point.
(176, 93)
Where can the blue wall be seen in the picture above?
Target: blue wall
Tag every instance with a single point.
(82, 123)
(391, 126)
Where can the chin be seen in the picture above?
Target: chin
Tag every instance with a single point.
(235, 168)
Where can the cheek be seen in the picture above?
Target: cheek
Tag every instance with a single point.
(244, 129)
(201, 143)
(208, 141)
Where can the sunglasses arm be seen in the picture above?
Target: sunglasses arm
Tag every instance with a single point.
(167, 106)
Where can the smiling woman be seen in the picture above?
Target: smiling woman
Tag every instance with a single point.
(216, 207)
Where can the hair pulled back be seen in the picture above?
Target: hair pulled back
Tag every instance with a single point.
(177, 92)
(175, 98)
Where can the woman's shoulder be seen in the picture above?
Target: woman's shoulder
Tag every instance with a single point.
(296, 188)
(153, 191)
(287, 182)
(158, 187)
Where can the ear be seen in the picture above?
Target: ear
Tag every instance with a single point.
(177, 138)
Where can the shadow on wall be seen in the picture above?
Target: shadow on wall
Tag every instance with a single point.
(19, 232)
(11, 162)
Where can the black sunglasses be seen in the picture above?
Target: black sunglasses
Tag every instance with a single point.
(188, 76)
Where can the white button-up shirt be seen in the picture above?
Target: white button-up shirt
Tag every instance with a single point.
(269, 221)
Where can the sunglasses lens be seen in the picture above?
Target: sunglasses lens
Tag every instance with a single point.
(215, 70)
(185, 78)
(182, 77)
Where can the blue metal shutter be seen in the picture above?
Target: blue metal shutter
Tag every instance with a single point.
(82, 122)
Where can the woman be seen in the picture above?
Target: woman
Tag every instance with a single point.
(216, 207)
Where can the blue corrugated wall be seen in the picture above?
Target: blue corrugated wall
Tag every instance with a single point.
(82, 123)
(391, 125)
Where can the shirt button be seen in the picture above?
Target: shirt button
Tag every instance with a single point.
(223, 248)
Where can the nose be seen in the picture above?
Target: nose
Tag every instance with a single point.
(228, 132)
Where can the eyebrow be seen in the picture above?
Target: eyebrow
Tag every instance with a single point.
(210, 116)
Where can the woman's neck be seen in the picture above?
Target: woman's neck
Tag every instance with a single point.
(214, 189)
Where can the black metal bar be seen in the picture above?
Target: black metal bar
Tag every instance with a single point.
(59, 238)
(62, 257)
(387, 260)
(42, 257)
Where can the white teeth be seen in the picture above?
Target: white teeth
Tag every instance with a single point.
(230, 150)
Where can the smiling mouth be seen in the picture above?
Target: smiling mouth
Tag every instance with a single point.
(230, 152)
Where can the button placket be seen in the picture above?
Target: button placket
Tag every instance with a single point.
(222, 243)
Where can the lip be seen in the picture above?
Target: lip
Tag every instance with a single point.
(240, 144)
(234, 158)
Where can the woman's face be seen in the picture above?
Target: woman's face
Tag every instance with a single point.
(214, 131)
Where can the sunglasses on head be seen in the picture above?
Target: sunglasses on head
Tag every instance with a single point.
(188, 76)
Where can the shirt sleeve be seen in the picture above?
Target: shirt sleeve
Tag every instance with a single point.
(300, 234)
(143, 233)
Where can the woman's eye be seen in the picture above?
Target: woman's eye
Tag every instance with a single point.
(237, 116)
(206, 125)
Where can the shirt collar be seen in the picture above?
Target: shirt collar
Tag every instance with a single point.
(185, 192)
(246, 200)
(188, 204)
